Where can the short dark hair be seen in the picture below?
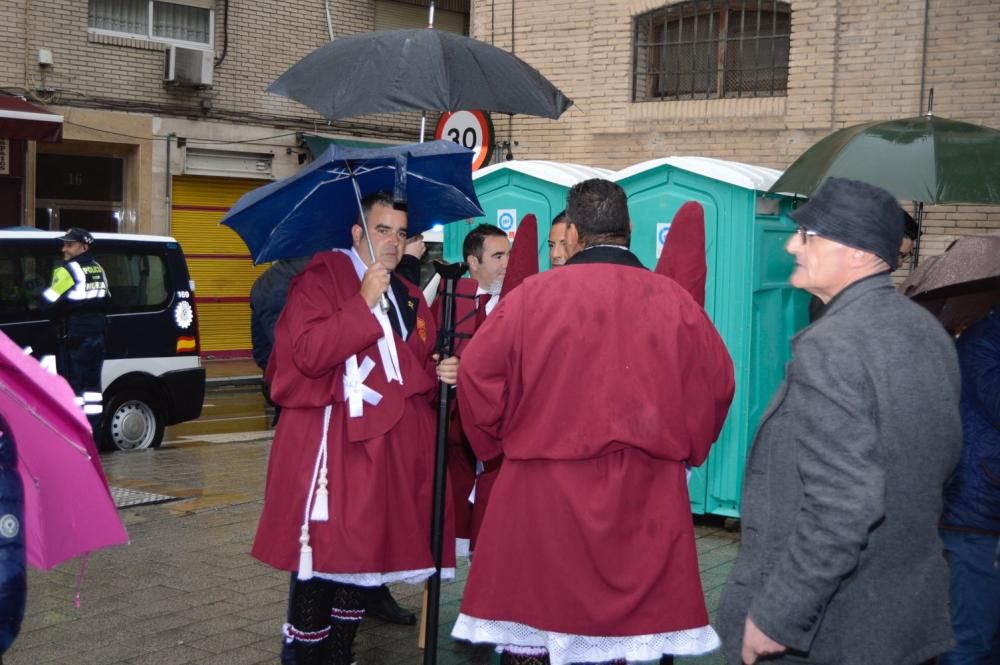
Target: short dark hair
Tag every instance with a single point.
(599, 211)
(559, 219)
(383, 198)
(910, 228)
(473, 243)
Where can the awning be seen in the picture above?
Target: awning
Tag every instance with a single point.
(317, 144)
(23, 120)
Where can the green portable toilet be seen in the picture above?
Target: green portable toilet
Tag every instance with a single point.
(510, 190)
(747, 293)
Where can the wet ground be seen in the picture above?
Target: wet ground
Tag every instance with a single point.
(186, 590)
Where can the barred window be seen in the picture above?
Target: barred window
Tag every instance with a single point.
(710, 49)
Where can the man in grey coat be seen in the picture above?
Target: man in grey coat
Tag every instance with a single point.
(840, 561)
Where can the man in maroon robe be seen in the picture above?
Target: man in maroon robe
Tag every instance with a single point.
(486, 249)
(559, 251)
(587, 553)
(347, 504)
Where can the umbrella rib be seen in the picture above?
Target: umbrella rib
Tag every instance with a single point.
(31, 410)
(417, 176)
(291, 212)
(35, 477)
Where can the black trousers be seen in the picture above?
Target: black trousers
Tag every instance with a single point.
(80, 362)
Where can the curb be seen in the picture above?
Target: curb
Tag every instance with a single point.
(220, 382)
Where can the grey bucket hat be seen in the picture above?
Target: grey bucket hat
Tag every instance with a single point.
(855, 214)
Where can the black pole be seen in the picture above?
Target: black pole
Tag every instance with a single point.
(919, 219)
(450, 272)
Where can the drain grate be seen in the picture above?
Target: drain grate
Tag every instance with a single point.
(129, 498)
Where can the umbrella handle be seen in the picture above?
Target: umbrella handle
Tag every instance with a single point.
(383, 301)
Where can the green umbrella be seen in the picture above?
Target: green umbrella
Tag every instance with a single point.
(925, 159)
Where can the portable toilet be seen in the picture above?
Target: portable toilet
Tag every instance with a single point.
(510, 190)
(747, 293)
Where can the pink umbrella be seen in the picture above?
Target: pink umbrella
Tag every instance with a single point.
(68, 509)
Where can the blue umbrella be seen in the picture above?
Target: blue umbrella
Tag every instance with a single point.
(315, 209)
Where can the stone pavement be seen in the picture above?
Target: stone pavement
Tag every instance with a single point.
(186, 590)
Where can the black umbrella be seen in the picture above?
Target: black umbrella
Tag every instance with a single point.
(417, 70)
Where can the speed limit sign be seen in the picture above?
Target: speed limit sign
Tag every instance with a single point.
(471, 129)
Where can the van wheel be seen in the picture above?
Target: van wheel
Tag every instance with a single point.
(132, 422)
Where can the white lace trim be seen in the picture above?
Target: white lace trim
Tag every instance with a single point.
(566, 648)
(378, 579)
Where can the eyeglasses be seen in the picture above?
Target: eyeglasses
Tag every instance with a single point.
(804, 234)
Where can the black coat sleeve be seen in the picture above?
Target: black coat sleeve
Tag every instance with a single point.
(13, 575)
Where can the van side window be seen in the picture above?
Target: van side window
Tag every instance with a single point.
(137, 281)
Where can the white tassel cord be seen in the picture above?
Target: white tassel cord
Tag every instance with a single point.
(305, 551)
(305, 556)
(321, 509)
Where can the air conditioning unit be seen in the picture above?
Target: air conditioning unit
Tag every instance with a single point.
(188, 66)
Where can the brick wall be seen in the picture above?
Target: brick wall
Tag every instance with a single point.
(851, 61)
(12, 43)
(265, 38)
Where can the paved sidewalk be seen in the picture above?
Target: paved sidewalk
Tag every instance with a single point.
(186, 590)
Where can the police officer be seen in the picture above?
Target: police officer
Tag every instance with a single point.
(79, 295)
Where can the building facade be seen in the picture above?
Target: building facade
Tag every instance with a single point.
(167, 122)
(755, 81)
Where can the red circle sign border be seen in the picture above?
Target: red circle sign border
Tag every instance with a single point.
(485, 123)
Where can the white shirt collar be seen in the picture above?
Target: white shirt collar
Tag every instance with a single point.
(491, 303)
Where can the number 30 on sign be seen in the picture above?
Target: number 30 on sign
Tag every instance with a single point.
(471, 129)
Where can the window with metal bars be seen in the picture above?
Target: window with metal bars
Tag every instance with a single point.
(710, 49)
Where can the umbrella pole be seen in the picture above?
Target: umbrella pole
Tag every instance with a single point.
(919, 218)
(423, 114)
(450, 272)
(383, 301)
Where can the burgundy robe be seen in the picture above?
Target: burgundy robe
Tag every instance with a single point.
(598, 383)
(381, 465)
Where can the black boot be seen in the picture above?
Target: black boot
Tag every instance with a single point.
(380, 604)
